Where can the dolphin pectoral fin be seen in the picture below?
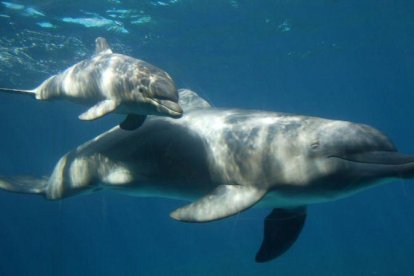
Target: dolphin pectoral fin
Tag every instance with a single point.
(281, 229)
(224, 201)
(99, 110)
(132, 121)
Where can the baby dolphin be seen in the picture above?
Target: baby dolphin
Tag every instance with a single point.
(110, 82)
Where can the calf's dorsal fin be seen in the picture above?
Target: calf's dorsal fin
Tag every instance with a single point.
(102, 46)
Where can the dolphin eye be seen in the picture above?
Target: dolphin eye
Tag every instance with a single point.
(145, 82)
(141, 89)
(315, 145)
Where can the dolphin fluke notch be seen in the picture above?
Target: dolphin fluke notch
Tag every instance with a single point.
(18, 91)
(281, 229)
(224, 201)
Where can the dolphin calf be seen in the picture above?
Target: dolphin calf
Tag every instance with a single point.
(110, 82)
(226, 161)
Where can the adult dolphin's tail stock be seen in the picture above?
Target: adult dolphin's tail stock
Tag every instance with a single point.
(227, 161)
(19, 91)
(112, 83)
(24, 184)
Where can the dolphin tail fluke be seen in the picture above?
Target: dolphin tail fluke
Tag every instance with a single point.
(18, 91)
(24, 184)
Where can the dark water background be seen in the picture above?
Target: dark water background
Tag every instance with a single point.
(351, 60)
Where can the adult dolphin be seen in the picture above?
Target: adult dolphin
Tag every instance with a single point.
(112, 82)
(229, 160)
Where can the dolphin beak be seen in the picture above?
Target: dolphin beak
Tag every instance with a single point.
(166, 96)
(170, 107)
(380, 164)
(379, 158)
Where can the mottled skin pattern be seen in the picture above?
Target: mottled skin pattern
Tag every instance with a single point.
(229, 160)
(297, 160)
(109, 82)
(112, 76)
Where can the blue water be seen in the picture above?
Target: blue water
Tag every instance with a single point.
(350, 60)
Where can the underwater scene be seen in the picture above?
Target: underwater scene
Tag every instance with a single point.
(202, 176)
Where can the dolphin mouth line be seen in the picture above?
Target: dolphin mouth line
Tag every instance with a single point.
(377, 157)
(172, 109)
(364, 161)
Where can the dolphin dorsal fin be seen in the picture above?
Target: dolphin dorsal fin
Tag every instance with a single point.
(102, 46)
(190, 100)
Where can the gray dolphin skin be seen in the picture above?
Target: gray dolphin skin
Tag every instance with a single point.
(110, 82)
(226, 161)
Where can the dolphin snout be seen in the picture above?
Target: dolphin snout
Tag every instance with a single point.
(165, 94)
(172, 108)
